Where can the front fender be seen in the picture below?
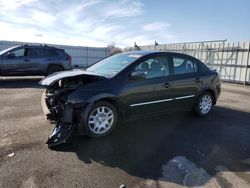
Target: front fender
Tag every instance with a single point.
(84, 99)
(102, 96)
(81, 97)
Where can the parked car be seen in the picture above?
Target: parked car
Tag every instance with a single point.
(124, 86)
(33, 60)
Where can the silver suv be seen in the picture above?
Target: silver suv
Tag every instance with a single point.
(33, 60)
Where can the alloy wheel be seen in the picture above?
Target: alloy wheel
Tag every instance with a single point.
(101, 120)
(205, 104)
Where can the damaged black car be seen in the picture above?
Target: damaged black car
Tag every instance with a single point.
(126, 86)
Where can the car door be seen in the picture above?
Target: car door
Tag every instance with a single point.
(186, 80)
(15, 62)
(37, 59)
(151, 94)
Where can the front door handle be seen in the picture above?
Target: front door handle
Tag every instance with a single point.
(166, 85)
(198, 79)
(26, 60)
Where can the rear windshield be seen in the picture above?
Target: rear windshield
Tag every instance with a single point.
(60, 52)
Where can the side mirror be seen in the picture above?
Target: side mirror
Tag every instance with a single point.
(137, 75)
(11, 55)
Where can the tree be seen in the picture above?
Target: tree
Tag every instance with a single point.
(114, 49)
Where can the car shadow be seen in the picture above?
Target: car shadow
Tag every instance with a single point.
(20, 82)
(140, 147)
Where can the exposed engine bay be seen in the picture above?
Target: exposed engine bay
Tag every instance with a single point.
(55, 105)
(56, 95)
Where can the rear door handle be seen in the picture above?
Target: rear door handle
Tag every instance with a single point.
(198, 79)
(26, 60)
(166, 85)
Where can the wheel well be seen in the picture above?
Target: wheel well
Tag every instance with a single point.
(81, 130)
(212, 93)
(111, 101)
(51, 65)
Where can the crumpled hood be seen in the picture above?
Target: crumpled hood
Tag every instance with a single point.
(49, 80)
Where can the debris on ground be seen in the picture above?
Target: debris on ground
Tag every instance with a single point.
(11, 154)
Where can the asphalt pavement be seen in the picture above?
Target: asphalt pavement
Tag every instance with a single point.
(172, 150)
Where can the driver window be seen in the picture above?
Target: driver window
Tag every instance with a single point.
(154, 67)
(20, 52)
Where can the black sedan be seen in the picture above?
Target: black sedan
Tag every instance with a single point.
(125, 86)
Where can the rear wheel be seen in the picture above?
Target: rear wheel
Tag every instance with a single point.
(53, 69)
(203, 104)
(101, 119)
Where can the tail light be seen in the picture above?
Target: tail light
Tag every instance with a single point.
(69, 58)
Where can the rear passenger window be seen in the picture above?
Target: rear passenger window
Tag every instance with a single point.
(184, 66)
(50, 52)
(36, 52)
(60, 52)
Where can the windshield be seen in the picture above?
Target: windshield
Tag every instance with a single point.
(6, 50)
(113, 64)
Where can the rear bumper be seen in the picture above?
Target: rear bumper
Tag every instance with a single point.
(67, 66)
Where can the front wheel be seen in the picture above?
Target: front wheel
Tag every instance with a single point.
(203, 104)
(101, 119)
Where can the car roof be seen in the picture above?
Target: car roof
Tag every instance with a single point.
(38, 46)
(148, 52)
(140, 52)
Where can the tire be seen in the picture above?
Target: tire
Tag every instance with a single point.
(100, 119)
(203, 104)
(54, 68)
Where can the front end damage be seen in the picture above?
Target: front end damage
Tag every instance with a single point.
(59, 114)
(57, 107)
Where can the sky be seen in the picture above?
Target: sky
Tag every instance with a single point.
(123, 22)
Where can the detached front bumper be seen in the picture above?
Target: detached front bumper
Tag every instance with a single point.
(64, 126)
(45, 109)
